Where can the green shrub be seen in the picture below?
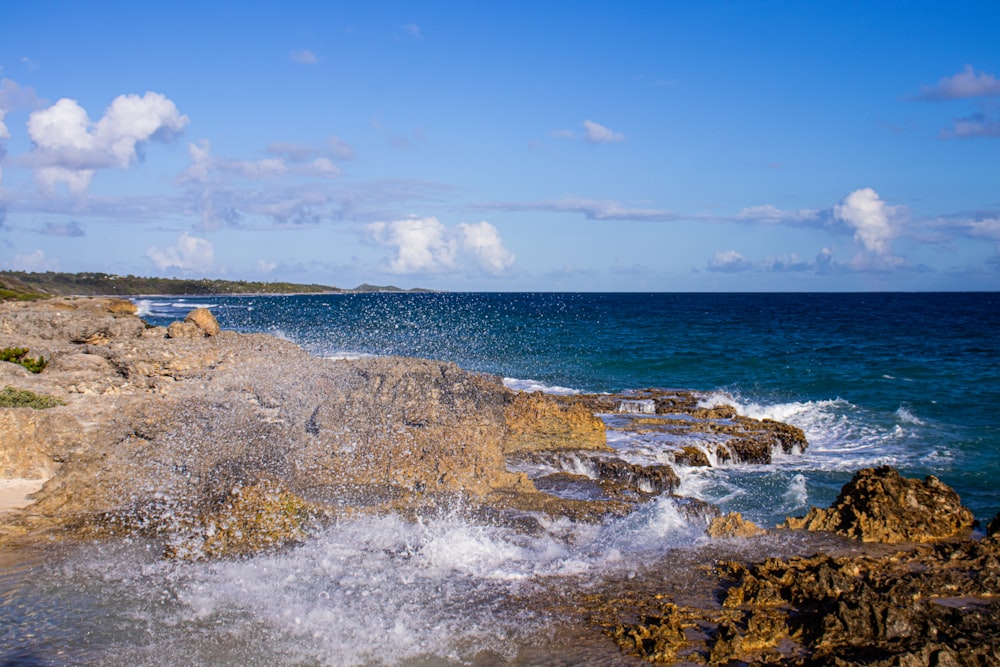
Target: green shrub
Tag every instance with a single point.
(20, 398)
(18, 355)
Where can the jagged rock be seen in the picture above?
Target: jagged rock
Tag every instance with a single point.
(732, 525)
(692, 456)
(994, 526)
(879, 505)
(913, 608)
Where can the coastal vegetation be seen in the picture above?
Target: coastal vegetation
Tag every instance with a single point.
(19, 355)
(22, 285)
(22, 398)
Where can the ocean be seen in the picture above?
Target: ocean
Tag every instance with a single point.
(909, 380)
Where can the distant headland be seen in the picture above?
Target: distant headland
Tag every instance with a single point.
(21, 285)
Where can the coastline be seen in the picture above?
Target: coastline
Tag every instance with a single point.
(423, 448)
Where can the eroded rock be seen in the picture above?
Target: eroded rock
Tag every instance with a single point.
(879, 505)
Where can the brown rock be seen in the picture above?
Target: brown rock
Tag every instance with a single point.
(732, 525)
(204, 320)
(537, 421)
(879, 505)
(184, 330)
(692, 456)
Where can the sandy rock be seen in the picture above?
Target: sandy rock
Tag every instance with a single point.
(879, 505)
(541, 422)
(204, 320)
(184, 330)
(732, 525)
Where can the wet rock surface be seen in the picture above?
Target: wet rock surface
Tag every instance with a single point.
(220, 445)
(202, 437)
(935, 603)
(879, 505)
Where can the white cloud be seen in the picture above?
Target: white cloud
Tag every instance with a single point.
(595, 133)
(426, 245)
(190, 253)
(304, 57)
(729, 261)
(288, 160)
(965, 84)
(36, 261)
(69, 148)
(422, 245)
(773, 214)
(264, 266)
(413, 30)
(870, 218)
(482, 241)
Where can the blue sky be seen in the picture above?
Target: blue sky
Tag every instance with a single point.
(581, 146)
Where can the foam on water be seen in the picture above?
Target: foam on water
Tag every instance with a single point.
(375, 590)
(534, 385)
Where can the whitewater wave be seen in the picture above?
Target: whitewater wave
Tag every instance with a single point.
(372, 590)
(536, 386)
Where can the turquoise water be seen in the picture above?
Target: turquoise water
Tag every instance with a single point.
(911, 380)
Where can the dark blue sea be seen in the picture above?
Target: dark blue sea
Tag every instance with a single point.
(911, 380)
(907, 379)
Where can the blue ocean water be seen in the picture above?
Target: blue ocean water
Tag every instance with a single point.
(907, 379)
(911, 380)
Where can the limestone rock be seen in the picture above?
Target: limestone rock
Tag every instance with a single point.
(733, 525)
(204, 320)
(879, 505)
(184, 330)
(537, 421)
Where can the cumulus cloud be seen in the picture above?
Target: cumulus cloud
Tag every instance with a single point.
(426, 245)
(482, 241)
(967, 83)
(264, 266)
(35, 261)
(69, 148)
(870, 218)
(729, 261)
(190, 254)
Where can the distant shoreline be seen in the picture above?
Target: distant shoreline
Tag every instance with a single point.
(23, 285)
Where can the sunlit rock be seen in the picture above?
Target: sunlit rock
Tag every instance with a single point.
(879, 505)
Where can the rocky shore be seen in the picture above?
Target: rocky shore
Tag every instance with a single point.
(217, 444)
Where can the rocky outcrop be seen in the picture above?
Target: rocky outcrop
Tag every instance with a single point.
(930, 604)
(879, 505)
(218, 442)
(732, 525)
(539, 422)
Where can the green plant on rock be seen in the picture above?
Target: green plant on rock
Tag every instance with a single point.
(22, 398)
(19, 355)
